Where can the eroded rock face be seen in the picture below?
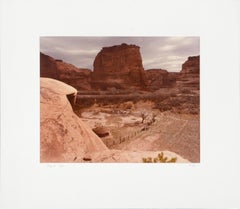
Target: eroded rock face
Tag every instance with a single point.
(68, 73)
(48, 67)
(76, 77)
(190, 74)
(63, 135)
(191, 66)
(159, 78)
(120, 67)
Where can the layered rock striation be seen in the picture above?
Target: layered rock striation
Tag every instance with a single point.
(190, 74)
(159, 78)
(68, 73)
(119, 66)
(48, 67)
(191, 66)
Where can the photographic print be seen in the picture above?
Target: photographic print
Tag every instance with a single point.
(103, 104)
(120, 99)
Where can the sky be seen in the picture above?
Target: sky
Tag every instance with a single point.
(167, 53)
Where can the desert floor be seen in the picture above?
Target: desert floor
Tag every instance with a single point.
(179, 133)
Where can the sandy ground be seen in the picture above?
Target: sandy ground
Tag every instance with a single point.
(124, 156)
(173, 132)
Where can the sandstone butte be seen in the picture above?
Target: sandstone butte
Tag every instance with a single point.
(119, 66)
(64, 137)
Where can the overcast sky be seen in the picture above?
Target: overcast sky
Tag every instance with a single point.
(157, 52)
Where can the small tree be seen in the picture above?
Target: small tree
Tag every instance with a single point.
(143, 116)
(153, 119)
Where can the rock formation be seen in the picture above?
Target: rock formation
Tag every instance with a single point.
(64, 137)
(159, 78)
(68, 73)
(76, 77)
(190, 74)
(191, 66)
(101, 131)
(119, 66)
(48, 67)
(187, 78)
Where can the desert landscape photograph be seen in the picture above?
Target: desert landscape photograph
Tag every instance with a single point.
(119, 99)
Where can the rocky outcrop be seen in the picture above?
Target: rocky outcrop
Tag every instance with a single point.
(159, 78)
(119, 66)
(68, 73)
(190, 74)
(191, 66)
(187, 78)
(76, 77)
(64, 137)
(101, 131)
(48, 67)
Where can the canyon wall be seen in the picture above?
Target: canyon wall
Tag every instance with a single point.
(190, 74)
(68, 73)
(159, 78)
(120, 67)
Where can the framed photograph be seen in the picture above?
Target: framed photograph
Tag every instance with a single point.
(120, 104)
(137, 100)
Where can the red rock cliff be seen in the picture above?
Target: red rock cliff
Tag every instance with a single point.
(48, 67)
(68, 73)
(192, 65)
(120, 67)
(159, 78)
(190, 74)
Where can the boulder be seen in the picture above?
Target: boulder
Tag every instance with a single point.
(101, 131)
(63, 135)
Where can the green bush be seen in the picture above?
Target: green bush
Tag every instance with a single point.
(159, 159)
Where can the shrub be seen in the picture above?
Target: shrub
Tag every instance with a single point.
(143, 116)
(159, 159)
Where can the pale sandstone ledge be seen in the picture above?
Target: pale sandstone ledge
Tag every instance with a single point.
(63, 134)
(66, 138)
(125, 156)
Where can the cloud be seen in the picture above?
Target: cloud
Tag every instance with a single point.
(157, 52)
(167, 47)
